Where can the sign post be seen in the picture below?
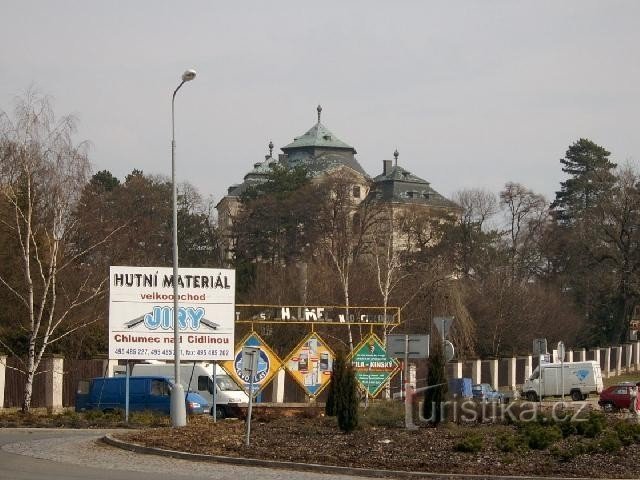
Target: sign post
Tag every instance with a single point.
(408, 346)
(213, 393)
(561, 353)
(250, 356)
(126, 394)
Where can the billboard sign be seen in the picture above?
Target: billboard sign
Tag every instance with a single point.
(268, 364)
(372, 365)
(141, 313)
(310, 364)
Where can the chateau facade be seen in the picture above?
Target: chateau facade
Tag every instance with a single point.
(324, 156)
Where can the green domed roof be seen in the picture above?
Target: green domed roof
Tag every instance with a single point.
(318, 136)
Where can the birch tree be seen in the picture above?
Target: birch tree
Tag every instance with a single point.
(345, 227)
(42, 172)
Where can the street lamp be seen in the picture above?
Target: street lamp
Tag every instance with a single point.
(178, 412)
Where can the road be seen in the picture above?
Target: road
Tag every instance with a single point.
(61, 454)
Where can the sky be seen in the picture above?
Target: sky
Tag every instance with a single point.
(473, 94)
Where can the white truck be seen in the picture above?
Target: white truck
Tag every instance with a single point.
(198, 377)
(580, 379)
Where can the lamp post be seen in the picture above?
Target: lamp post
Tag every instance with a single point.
(178, 411)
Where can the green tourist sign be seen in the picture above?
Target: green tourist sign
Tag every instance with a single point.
(373, 367)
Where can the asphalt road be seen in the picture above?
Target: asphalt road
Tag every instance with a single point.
(58, 454)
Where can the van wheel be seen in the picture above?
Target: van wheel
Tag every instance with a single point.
(220, 413)
(532, 397)
(577, 396)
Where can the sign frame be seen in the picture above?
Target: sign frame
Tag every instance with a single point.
(274, 363)
(331, 358)
(318, 315)
(141, 325)
(367, 386)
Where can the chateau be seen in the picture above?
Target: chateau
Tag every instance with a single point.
(324, 155)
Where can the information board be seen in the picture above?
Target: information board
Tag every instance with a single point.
(141, 313)
(372, 365)
(310, 364)
(268, 364)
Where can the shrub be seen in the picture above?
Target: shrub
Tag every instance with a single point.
(610, 442)
(627, 433)
(566, 454)
(508, 443)
(385, 414)
(539, 437)
(470, 444)
(567, 427)
(592, 426)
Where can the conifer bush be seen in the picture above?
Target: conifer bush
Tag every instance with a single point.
(336, 374)
(347, 400)
(436, 375)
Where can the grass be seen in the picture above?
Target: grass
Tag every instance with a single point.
(626, 377)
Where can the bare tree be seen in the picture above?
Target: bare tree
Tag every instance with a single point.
(390, 245)
(42, 173)
(478, 208)
(526, 213)
(345, 225)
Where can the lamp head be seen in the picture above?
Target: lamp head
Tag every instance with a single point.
(188, 75)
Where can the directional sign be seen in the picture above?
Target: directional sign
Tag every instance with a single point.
(310, 364)
(418, 346)
(372, 365)
(250, 357)
(443, 324)
(539, 346)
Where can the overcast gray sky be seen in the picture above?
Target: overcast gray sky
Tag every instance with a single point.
(472, 93)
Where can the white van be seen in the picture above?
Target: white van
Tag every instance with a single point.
(198, 377)
(580, 379)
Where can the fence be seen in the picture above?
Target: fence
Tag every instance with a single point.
(56, 380)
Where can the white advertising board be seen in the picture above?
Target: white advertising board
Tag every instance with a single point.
(141, 313)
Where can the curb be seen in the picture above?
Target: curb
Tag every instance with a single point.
(314, 467)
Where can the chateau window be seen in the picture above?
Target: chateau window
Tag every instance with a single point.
(356, 191)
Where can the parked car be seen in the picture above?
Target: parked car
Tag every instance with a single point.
(486, 393)
(145, 393)
(616, 397)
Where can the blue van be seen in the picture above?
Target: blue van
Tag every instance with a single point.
(145, 393)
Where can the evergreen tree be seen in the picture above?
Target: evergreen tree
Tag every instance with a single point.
(104, 180)
(336, 374)
(436, 375)
(591, 176)
(347, 400)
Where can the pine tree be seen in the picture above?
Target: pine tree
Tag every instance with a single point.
(436, 375)
(591, 176)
